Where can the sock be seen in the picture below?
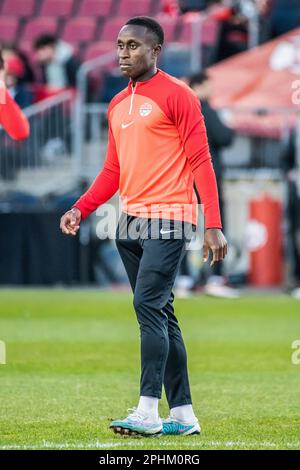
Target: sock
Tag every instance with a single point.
(149, 406)
(184, 413)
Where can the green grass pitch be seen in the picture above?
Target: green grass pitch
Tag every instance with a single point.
(73, 364)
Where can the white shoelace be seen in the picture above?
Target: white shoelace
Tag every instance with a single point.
(136, 414)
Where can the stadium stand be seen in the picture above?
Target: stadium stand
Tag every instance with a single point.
(18, 8)
(94, 8)
(78, 30)
(134, 8)
(8, 28)
(37, 26)
(90, 26)
(97, 49)
(60, 8)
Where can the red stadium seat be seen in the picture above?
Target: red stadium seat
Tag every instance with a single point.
(80, 30)
(168, 23)
(100, 48)
(208, 35)
(133, 8)
(8, 28)
(18, 7)
(112, 27)
(60, 8)
(95, 8)
(38, 26)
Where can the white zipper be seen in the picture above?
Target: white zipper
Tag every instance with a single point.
(132, 96)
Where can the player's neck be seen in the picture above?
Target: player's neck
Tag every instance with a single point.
(146, 76)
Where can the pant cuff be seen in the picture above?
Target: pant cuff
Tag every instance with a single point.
(181, 403)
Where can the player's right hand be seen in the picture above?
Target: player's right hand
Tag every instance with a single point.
(70, 222)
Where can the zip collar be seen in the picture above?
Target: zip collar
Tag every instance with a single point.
(132, 89)
(145, 82)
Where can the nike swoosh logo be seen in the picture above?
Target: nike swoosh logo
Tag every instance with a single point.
(124, 126)
(167, 231)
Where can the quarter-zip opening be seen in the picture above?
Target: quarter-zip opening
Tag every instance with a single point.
(133, 88)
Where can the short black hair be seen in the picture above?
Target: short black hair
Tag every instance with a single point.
(152, 25)
(198, 78)
(45, 40)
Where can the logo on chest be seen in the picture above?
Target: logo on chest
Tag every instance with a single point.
(145, 109)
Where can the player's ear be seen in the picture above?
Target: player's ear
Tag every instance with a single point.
(156, 50)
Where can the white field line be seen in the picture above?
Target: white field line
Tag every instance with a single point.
(137, 443)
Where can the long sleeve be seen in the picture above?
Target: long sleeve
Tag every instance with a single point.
(106, 183)
(186, 113)
(13, 119)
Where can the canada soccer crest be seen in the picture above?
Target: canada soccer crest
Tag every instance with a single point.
(145, 109)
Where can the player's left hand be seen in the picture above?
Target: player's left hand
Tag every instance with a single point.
(215, 241)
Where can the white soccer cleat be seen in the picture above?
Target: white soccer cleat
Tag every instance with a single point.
(137, 423)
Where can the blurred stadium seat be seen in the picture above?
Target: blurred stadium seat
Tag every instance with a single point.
(8, 28)
(210, 28)
(99, 48)
(133, 8)
(18, 7)
(61, 8)
(37, 26)
(81, 29)
(95, 8)
(169, 25)
(112, 27)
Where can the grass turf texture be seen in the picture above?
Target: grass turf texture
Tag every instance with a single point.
(73, 364)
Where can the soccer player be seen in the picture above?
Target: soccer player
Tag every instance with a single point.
(157, 149)
(12, 118)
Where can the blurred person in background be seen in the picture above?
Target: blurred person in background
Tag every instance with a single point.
(57, 61)
(291, 170)
(219, 136)
(11, 51)
(12, 119)
(233, 34)
(19, 90)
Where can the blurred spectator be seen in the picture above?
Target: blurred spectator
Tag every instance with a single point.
(233, 36)
(219, 136)
(10, 51)
(285, 16)
(13, 121)
(289, 160)
(19, 90)
(58, 63)
(170, 7)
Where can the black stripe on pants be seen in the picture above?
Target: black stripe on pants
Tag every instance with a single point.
(151, 265)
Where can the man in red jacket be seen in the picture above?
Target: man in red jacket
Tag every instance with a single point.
(12, 118)
(157, 150)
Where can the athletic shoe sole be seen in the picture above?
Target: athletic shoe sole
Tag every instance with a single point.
(130, 432)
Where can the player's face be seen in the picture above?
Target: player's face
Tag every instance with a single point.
(137, 51)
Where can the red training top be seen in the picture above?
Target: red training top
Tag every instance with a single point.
(12, 119)
(157, 149)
